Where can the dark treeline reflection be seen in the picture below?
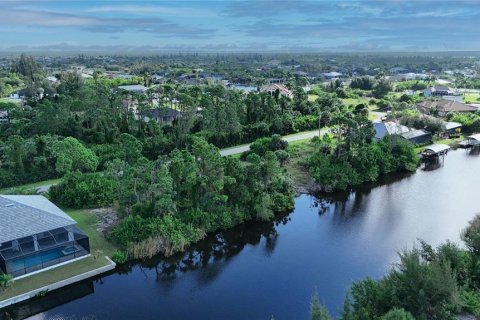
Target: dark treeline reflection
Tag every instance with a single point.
(213, 252)
(344, 204)
(48, 301)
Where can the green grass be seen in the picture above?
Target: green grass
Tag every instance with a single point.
(299, 152)
(472, 98)
(31, 185)
(51, 276)
(87, 221)
(351, 101)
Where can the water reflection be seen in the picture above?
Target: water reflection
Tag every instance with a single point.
(214, 252)
(51, 300)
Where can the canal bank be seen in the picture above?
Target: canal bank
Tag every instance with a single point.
(258, 270)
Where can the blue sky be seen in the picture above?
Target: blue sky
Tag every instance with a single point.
(223, 26)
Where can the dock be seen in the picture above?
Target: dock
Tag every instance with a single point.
(472, 141)
(435, 151)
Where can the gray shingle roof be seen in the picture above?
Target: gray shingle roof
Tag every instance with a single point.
(22, 216)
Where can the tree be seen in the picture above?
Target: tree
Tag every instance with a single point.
(382, 88)
(397, 314)
(317, 311)
(72, 155)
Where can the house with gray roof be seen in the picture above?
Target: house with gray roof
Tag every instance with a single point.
(35, 235)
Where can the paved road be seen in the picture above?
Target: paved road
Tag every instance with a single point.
(290, 138)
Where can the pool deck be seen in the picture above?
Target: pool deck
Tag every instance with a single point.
(62, 283)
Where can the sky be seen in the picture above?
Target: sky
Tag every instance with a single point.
(240, 26)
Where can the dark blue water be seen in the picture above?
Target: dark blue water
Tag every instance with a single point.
(263, 269)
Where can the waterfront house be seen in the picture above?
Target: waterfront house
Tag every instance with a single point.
(417, 136)
(383, 129)
(36, 235)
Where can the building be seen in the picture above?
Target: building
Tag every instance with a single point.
(438, 91)
(452, 129)
(160, 115)
(332, 75)
(272, 89)
(383, 129)
(36, 235)
(443, 107)
(135, 88)
(4, 116)
(417, 136)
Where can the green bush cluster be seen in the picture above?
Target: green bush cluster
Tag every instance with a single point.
(77, 190)
(362, 164)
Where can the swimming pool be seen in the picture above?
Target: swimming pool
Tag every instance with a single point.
(39, 258)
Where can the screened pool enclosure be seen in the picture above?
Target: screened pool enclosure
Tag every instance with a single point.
(35, 234)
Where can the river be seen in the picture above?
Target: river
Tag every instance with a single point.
(262, 269)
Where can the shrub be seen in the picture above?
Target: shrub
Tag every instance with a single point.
(83, 190)
(120, 257)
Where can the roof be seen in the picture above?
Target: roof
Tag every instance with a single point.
(134, 88)
(475, 136)
(445, 106)
(280, 87)
(452, 125)
(415, 133)
(387, 128)
(22, 216)
(161, 112)
(437, 148)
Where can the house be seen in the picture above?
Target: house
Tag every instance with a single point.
(36, 235)
(383, 129)
(332, 75)
(417, 136)
(4, 117)
(438, 91)
(160, 115)
(443, 107)
(452, 129)
(135, 88)
(272, 89)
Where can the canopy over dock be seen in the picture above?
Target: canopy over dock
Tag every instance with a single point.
(474, 139)
(436, 150)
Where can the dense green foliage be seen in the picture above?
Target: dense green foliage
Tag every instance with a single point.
(349, 156)
(189, 193)
(427, 283)
(78, 190)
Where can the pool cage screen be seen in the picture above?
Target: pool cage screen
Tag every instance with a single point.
(42, 250)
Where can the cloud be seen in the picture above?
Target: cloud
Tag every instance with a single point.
(51, 19)
(149, 10)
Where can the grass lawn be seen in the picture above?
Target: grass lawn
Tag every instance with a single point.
(51, 276)
(32, 185)
(472, 98)
(349, 101)
(299, 151)
(87, 222)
